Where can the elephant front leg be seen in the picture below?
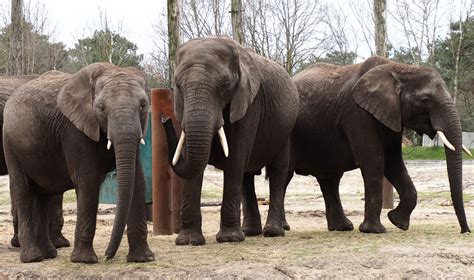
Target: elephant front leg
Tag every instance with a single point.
(137, 230)
(43, 240)
(335, 216)
(87, 202)
(397, 174)
(230, 230)
(191, 218)
(373, 181)
(252, 224)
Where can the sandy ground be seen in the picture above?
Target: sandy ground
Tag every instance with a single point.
(432, 247)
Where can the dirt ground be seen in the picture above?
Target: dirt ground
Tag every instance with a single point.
(432, 247)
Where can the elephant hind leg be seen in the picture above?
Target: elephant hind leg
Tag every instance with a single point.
(336, 219)
(278, 176)
(251, 225)
(56, 222)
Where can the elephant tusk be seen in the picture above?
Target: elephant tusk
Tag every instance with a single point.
(142, 141)
(109, 145)
(177, 153)
(466, 150)
(445, 140)
(223, 140)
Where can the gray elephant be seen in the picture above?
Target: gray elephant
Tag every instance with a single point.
(67, 131)
(353, 116)
(228, 94)
(8, 84)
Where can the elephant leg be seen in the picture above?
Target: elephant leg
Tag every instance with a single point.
(285, 224)
(191, 218)
(252, 225)
(335, 216)
(41, 205)
(56, 222)
(397, 174)
(87, 204)
(277, 175)
(373, 181)
(230, 230)
(14, 241)
(23, 198)
(137, 230)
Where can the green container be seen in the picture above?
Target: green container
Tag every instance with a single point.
(109, 188)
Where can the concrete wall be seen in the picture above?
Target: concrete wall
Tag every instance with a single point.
(467, 140)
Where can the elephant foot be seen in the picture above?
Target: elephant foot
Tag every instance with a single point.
(372, 227)
(59, 241)
(230, 235)
(48, 250)
(28, 255)
(400, 220)
(252, 228)
(343, 224)
(15, 242)
(140, 253)
(84, 255)
(189, 237)
(272, 229)
(285, 224)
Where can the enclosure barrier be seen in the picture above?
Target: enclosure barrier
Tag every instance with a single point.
(167, 186)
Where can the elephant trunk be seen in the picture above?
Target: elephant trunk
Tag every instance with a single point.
(199, 134)
(449, 123)
(125, 143)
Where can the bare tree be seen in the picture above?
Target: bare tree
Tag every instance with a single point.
(420, 20)
(237, 29)
(362, 13)
(16, 38)
(380, 23)
(202, 18)
(173, 35)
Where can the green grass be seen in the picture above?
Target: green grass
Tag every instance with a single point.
(427, 153)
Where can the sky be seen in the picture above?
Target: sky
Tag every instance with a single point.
(73, 20)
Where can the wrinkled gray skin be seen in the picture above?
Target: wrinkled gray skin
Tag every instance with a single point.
(353, 116)
(8, 84)
(56, 130)
(219, 83)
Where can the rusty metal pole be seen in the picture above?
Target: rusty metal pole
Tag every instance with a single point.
(162, 222)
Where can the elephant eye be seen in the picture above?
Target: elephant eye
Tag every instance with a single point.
(101, 107)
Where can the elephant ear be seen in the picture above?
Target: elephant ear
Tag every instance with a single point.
(75, 100)
(248, 86)
(378, 92)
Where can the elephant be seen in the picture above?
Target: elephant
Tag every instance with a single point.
(228, 94)
(8, 84)
(65, 131)
(353, 117)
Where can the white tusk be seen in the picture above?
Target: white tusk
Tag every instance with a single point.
(142, 141)
(177, 153)
(466, 150)
(223, 140)
(109, 145)
(445, 140)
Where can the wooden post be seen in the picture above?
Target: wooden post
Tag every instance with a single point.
(387, 194)
(161, 179)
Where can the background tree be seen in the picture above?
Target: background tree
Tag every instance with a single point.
(16, 38)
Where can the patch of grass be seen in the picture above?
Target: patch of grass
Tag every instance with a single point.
(444, 194)
(427, 153)
(69, 196)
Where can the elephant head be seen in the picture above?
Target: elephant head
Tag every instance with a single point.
(400, 95)
(104, 98)
(212, 74)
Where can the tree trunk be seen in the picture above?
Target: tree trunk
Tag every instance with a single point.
(380, 27)
(237, 29)
(16, 40)
(173, 36)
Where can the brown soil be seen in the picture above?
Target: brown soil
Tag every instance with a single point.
(432, 247)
